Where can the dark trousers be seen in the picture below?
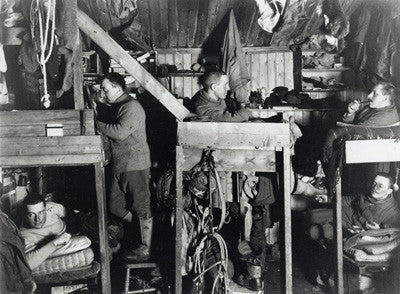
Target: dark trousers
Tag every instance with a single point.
(129, 191)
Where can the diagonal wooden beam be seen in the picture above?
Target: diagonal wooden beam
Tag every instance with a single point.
(101, 38)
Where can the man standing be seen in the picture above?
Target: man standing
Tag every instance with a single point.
(381, 110)
(210, 101)
(125, 126)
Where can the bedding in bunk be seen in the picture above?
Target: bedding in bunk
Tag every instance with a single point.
(65, 262)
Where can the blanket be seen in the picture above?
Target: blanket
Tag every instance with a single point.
(373, 245)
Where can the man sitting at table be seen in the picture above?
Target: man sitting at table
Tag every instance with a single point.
(210, 101)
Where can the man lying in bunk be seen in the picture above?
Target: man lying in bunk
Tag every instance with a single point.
(379, 111)
(43, 231)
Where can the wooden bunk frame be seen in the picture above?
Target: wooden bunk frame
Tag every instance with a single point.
(358, 151)
(238, 147)
(24, 143)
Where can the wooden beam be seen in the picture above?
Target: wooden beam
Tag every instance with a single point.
(178, 219)
(42, 146)
(287, 220)
(103, 231)
(337, 216)
(233, 160)
(50, 160)
(78, 77)
(233, 135)
(112, 48)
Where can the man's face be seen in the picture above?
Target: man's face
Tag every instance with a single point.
(221, 88)
(381, 188)
(377, 99)
(111, 92)
(36, 215)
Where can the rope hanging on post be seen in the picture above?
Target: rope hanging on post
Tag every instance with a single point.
(36, 12)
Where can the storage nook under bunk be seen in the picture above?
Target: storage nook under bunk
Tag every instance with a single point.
(236, 147)
(58, 138)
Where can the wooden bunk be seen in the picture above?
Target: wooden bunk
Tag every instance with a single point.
(238, 147)
(359, 151)
(26, 141)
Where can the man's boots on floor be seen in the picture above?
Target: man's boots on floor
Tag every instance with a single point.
(253, 279)
(142, 253)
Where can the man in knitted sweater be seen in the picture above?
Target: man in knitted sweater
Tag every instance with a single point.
(124, 123)
(210, 101)
(380, 111)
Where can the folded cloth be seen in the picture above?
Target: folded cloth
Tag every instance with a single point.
(373, 245)
(360, 255)
(370, 237)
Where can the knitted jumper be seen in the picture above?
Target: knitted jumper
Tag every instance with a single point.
(217, 110)
(125, 125)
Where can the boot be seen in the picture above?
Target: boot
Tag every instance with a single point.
(142, 253)
(306, 189)
(253, 279)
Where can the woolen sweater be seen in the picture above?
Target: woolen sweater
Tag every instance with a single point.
(217, 110)
(373, 116)
(125, 125)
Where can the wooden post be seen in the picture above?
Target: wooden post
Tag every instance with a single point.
(103, 233)
(339, 235)
(78, 77)
(98, 35)
(288, 219)
(178, 220)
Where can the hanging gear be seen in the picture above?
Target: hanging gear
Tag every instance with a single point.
(204, 184)
(36, 18)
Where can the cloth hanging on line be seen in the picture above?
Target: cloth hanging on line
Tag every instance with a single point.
(233, 62)
(270, 12)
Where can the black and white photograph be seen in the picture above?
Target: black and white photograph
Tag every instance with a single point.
(200, 146)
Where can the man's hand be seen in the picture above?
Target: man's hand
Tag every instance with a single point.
(353, 106)
(62, 240)
(372, 226)
(94, 106)
(355, 229)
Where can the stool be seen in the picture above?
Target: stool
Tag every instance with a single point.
(128, 266)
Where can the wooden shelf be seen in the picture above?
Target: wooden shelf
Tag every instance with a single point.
(185, 74)
(322, 90)
(339, 69)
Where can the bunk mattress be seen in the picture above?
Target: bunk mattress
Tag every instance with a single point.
(65, 262)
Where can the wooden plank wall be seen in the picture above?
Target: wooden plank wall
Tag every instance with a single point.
(268, 67)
